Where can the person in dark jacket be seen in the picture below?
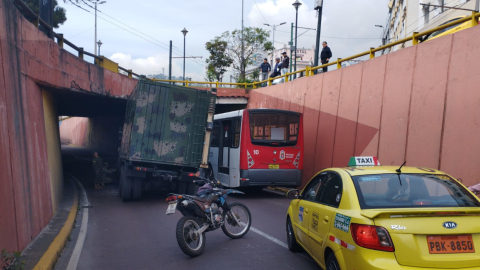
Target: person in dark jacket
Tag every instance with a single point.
(277, 70)
(325, 55)
(285, 63)
(265, 68)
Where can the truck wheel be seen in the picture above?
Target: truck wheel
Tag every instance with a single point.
(126, 188)
(137, 188)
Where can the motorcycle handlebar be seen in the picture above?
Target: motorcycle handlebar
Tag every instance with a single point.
(214, 182)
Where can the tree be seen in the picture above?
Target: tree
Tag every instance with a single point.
(254, 40)
(59, 13)
(219, 60)
(210, 75)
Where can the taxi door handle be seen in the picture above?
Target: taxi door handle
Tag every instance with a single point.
(326, 218)
(306, 211)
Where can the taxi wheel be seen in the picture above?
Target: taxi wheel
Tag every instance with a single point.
(332, 263)
(291, 240)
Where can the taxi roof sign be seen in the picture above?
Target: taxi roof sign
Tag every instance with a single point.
(363, 161)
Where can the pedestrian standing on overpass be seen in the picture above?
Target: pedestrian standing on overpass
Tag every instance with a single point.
(325, 55)
(285, 63)
(265, 68)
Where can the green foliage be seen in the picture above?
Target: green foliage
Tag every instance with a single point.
(219, 60)
(59, 13)
(245, 80)
(210, 74)
(254, 40)
(11, 260)
(255, 74)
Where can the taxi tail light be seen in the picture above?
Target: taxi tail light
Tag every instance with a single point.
(372, 237)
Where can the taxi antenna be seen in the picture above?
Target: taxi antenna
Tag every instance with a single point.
(399, 170)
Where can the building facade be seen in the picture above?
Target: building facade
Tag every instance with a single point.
(408, 16)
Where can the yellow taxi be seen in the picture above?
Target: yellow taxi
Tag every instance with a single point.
(369, 217)
(449, 30)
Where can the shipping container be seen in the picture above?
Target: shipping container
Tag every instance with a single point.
(163, 137)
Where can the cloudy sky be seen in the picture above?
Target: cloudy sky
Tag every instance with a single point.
(136, 34)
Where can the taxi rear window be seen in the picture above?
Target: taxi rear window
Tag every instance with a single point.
(411, 191)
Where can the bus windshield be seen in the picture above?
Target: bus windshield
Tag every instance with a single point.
(274, 128)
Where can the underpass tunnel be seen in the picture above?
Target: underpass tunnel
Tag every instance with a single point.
(76, 125)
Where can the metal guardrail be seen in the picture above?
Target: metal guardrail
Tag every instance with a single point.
(308, 71)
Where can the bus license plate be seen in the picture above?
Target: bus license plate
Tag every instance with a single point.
(273, 166)
(442, 244)
(171, 208)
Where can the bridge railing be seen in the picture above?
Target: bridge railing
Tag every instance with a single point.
(308, 71)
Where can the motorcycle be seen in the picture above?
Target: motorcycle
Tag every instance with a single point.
(207, 211)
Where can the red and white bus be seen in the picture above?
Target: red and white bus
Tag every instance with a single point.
(257, 147)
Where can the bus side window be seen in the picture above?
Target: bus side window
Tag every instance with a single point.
(236, 133)
(214, 142)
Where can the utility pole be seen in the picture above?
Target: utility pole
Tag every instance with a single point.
(95, 41)
(477, 5)
(184, 31)
(243, 49)
(170, 63)
(291, 45)
(319, 8)
(274, 27)
(297, 4)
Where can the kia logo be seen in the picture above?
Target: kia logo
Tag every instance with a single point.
(450, 225)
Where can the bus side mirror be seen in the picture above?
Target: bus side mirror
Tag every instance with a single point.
(293, 194)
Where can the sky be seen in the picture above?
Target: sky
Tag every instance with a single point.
(136, 34)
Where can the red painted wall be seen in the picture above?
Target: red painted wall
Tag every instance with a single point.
(420, 104)
(29, 60)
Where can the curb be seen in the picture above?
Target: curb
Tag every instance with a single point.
(48, 260)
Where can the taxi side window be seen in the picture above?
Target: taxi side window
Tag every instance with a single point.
(331, 192)
(310, 193)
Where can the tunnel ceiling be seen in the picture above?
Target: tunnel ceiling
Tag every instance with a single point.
(75, 103)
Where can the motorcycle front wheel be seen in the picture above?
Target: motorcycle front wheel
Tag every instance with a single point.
(190, 242)
(233, 229)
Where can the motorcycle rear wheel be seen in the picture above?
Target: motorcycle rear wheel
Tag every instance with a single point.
(190, 243)
(230, 227)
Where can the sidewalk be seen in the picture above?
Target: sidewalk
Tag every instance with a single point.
(45, 249)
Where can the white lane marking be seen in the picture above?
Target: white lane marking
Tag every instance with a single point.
(271, 238)
(77, 250)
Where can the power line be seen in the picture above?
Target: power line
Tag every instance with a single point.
(260, 11)
(159, 45)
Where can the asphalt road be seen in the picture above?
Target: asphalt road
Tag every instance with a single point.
(138, 235)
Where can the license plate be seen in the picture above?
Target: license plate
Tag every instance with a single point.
(273, 166)
(171, 208)
(442, 244)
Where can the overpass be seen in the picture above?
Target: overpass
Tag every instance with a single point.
(419, 104)
(40, 81)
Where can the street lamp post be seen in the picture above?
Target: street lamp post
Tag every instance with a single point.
(297, 4)
(99, 43)
(319, 7)
(274, 27)
(97, 2)
(184, 31)
(383, 38)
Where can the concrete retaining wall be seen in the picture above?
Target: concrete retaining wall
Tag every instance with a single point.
(97, 133)
(420, 104)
